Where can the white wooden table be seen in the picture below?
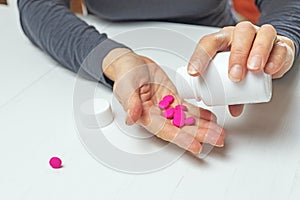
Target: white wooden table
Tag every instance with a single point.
(261, 159)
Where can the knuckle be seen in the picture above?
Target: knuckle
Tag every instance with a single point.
(227, 28)
(216, 40)
(238, 52)
(245, 25)
(207, 38)
(219, 38)
(269, 28)
(282, 47)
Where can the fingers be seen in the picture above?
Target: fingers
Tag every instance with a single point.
(201, 113)
(207, 48)
(276, 59)
(252, 49)
(163, 129)
(243, 36)
(187, 137)
(236, 110)
(205, 130)
(281, 58)
(185, 141)
(210, 133)
(261, 47)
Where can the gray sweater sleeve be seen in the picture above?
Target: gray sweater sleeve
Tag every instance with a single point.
(51, 26)
(284, 15)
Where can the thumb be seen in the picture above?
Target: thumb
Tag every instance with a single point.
(198, 61)
(207, 48)
(135, 108)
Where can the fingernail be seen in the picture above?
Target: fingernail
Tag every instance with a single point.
(220, 142)
(192, 70)
(270, 67)
(236, 73)
(255, 63)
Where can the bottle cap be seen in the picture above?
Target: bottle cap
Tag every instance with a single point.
(96, 113)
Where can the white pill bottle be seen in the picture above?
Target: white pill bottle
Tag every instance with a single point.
(214, 87)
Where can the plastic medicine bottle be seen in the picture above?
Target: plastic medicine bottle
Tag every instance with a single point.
(215, 88)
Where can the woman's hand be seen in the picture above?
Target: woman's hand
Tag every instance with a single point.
(252, 49)
(139, 86)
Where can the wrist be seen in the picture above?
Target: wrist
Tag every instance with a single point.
(111, 59)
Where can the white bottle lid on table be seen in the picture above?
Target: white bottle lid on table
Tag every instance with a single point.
(96, 113)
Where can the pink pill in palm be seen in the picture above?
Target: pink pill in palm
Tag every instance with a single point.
(181, 107)
(189, 121)
(169, 98)
(179, 118)
(169, 113)
(163, 104)
(55, 162)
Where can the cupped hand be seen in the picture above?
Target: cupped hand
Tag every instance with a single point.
(252, 48)
(139, 86)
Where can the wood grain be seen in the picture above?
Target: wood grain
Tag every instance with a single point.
(76, 6)
(3, 2)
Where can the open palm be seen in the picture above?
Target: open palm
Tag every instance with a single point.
(139, 86)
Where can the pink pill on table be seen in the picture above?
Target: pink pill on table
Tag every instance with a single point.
(163, 104)
(179, 118)
(169, 113)
(181, 107)
(55, 162)
(189, 121)
(169, 98)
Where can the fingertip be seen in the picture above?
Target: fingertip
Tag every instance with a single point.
(220, 142)
(129, 121)
(254, 63)
(134, 114)
(193, 69)
(195, 148)
(208, 115)
(236, 73)
(236, 110)
(213, 118)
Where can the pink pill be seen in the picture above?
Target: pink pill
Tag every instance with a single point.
(179, 118)
(169, 113)
(189, 121)
(163, 104)
(55, 162)
(169, 98)
(181, 107)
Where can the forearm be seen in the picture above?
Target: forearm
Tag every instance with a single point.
(284, 16)
(51, 26)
